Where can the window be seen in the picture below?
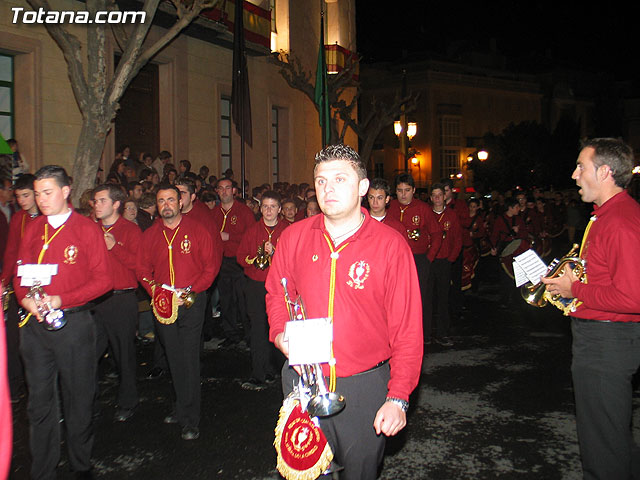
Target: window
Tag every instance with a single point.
(275, 145)
(225, 133)
(449, 146)
(6, 96)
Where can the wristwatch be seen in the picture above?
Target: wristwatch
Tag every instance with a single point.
(403, 404)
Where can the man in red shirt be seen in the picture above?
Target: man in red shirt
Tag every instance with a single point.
(25, 198)
(233, 218)
(378, 198)
(439, 281)
(360, 273)
(180, 253)
(263, 234)
(461, 209)
(116, 315)
(606, 320)
(421, 229)
(65, 357)
(509, 237)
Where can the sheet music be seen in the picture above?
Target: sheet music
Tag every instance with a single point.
(528, 267)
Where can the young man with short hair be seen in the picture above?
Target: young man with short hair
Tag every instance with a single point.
(378, 198)
(116, 315)
(361, 274)
(263, 235)
(67, 356)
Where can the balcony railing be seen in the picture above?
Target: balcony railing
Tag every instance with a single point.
(257, 21)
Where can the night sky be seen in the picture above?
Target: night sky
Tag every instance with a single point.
(573, 34)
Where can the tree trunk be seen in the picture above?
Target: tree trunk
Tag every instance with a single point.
(88, 153)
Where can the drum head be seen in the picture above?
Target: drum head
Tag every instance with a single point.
(511, 247)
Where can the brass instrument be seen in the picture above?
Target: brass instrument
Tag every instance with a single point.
(6, 294)
(262, 259)
(538, 296)
(413, 234)
(186, 295)
(322, 403)
(53, 318)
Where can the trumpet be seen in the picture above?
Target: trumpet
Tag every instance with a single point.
(538, 296)
(322, 403)
(262, 259)
(53, 318)
(186, 295)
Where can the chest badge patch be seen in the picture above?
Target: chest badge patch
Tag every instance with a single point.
(234, 220)
(185, 245)
(70, 254)
(314, 258)
(358, 273)
(415, 220)
(447, 225)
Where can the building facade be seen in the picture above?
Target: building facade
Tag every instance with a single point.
(180, 102)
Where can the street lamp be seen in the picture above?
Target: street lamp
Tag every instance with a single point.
(412, 129)
(483, 155)
(405, 131)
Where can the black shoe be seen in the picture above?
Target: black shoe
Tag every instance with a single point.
(254, 384)
(86, 475)
(171, 418)
(427, 341)
(123, 414)
(270, 379)
(444, 341)
(190, 433)
(228, 342)
(155, 372)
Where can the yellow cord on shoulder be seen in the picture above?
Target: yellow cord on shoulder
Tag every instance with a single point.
(332, 296)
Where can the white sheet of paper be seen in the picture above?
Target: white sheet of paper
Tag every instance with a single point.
(528, 266)
(309, 340)
(33, 272)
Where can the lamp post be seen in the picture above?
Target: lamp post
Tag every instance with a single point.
(405, 131)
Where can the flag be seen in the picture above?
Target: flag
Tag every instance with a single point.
(5, 149)
(321, 96)
(240, 99)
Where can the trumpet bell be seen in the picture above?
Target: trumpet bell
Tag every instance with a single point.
(534, 294)
(326, 404)
(189, 299)
(54, 320)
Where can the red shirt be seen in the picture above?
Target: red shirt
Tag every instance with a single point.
(502, 231)
(251, 240)
(196, 255)
(612, 291)
(203, 215)
(19, 222)
(418, 215)
(450, 233)
(377, 306)
(235, 222)
(78, 249)
(461, 209)
(396, 225)
(124, 254)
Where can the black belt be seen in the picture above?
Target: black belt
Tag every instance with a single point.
(125, 290)
(81, 308)
(378, 365)
(587, 320)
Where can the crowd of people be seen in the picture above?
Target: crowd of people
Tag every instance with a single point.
(161, 254)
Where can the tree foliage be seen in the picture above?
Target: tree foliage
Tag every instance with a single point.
(527, 155)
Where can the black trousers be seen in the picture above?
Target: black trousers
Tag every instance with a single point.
(232, 309)
(14, 362)
(438, 291)
(350, 433)
(181, 341)
(116, 321)
(263, 353)
(423, 265)
(605, 357)
(456, 297)
(66, 357)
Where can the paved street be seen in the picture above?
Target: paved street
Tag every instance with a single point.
(498, 404)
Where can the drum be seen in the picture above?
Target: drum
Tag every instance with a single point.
(513, 249)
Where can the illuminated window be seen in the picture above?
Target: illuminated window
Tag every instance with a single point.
(6, 96)
(449, 146)
(225, 133)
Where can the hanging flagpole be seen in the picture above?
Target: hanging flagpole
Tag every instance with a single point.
(240, 97)
(321, 94)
